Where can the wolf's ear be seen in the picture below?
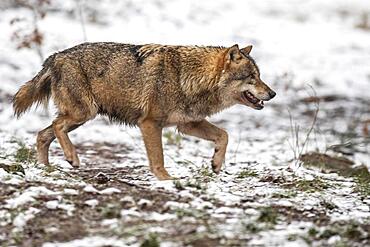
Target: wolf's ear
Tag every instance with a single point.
(233, 54)
(246, 50)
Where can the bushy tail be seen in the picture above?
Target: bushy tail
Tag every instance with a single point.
(37, 90)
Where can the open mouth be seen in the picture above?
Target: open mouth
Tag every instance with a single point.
(250, 98)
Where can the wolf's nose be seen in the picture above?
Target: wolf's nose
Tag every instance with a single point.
(272, 94)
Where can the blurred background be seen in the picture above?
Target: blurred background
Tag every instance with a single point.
(324, 44)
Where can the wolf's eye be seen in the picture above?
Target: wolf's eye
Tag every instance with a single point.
(251, 81)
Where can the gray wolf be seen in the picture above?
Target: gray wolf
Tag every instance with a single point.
(150, 86)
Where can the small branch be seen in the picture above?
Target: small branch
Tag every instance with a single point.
(237, 147)
(313, 123)
(295, 145)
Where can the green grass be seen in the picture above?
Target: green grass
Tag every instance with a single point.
(196, 183)
(314, 185)
(183, 212)
(343, 167)
(284, 194)
(205, 171)
(268, 215)
(178, 185)
(292, 237)
(24, 154)
(200, 215)
(151, 241)
(173, 138)
(199, 180)
(13, 168)
(50, 169)
(312, 232)
(363, 184)
(350, 232)
(246, 173)
(328, 205)
(252, 228)
(110, 211)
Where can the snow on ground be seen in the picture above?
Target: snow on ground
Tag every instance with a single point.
(263, 196)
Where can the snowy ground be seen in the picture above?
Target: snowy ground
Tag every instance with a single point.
(263, 196)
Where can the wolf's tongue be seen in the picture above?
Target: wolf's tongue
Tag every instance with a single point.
(251, 98)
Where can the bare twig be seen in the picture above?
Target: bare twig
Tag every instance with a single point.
(296, 146)
(237, 147)
(313, 123)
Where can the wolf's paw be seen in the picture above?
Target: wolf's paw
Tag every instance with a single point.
(163, 177)
(162, 174)
(74, 163)
(216, 168)
(217, 161)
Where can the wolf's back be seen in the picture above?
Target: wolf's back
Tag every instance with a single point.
(37, 90)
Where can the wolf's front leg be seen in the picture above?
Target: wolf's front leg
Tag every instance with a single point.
(210, 132)
(152, 135)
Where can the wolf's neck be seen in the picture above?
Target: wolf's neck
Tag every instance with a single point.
(200, 70)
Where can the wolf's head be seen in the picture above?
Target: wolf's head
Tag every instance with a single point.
(240, 79)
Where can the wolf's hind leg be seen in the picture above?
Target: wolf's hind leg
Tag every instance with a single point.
(74, 101)
(44, 138)
(152, 135)
(206, 130)
(61, 126)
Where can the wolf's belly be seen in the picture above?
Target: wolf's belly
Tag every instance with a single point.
(180, 117)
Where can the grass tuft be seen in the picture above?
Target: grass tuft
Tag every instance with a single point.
(314, 185)
(252, 228)
(151, 241)
(110, 211)
(24, 154)
(268, 215)
(246, 173)
(363, 184)
(284, 194)
(178, 185)
(13, 168)
(173, 138)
